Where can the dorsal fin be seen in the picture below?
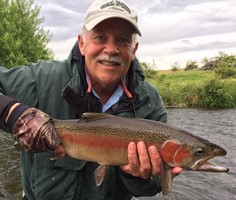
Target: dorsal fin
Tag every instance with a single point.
(94, 116)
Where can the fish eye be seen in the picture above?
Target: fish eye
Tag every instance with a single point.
(199, 151)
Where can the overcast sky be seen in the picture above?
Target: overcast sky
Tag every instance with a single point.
(172, 30)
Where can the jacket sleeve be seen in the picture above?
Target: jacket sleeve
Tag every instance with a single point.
(139, 187)
(17, 83)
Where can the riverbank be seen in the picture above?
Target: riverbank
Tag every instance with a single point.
(195, 88)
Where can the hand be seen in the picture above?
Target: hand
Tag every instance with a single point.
(35, 132)
(145, 162)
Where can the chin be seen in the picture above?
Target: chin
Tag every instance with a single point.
(108, 81)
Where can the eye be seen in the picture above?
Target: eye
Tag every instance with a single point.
(123, 41)
(100, 38)
(199, 151)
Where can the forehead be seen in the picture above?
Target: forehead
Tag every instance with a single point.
(117, 25)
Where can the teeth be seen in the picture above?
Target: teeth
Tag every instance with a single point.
(109, 63)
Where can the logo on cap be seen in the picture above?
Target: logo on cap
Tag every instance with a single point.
(116, 5)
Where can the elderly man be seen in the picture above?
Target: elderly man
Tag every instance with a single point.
(101, 74)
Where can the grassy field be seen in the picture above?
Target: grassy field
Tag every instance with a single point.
(195, 88)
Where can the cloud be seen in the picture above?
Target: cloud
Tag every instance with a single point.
(192, 21)
(171, 30)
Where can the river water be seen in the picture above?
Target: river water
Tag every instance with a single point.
(219, 126)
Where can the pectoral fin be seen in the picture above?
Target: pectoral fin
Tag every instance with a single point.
(100, 173)
(166, 180)
(58, 153)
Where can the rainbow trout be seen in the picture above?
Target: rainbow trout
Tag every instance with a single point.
(104, 139)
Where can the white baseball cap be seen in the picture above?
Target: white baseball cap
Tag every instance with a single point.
(101, 10)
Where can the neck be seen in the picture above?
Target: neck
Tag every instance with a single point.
(104, 91)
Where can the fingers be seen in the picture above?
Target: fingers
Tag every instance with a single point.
(176, 171)
(143, 162)
(133, 166)
(132, 155)
(155, 160)
(145, 165)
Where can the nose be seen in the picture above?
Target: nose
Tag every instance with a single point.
(111, 47)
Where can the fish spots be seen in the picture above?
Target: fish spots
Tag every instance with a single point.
(174, 154)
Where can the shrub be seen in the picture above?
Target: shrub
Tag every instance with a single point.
(191, 65)
(175, 67)
(190, 94)
(222, 60)
(149, 72)
(214, 95)
(226, 72)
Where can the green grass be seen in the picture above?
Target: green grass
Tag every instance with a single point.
(195, 88)
(184, 77)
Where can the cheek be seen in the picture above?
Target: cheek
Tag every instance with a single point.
(127, 55)
(131, 53)
(89, 49)
(90, 54)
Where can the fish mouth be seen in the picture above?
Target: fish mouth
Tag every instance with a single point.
(211, 167)
(205, 166)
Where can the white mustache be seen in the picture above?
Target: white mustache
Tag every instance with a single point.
(107, 58)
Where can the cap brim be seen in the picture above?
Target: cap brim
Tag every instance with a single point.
(94, 22)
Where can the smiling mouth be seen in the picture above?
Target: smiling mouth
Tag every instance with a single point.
(109, 63)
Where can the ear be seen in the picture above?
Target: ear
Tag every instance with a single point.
(135, 49)
(81, 44)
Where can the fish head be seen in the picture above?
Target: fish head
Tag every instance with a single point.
(192, 155)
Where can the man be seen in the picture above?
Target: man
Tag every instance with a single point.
(100, 75)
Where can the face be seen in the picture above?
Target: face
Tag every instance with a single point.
(108, 49)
